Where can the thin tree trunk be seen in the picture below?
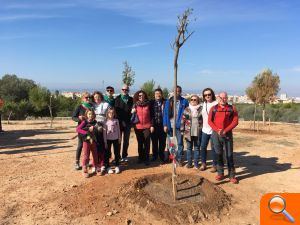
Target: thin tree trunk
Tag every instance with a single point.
(254, 115)
(8, 118)
(264, 114)
(50, 110)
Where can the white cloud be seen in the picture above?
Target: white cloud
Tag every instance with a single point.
(58, 5)
(7, 18)
(135, 45)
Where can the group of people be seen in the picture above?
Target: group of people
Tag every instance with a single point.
(105, 121)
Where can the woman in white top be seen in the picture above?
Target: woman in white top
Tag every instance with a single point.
(209, 100)
(100, 106)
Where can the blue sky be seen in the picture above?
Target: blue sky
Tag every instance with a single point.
(65, 44)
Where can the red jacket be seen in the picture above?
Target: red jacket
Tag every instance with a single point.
(143, 113)
(223, 119)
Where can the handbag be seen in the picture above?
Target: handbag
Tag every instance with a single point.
(134, 118)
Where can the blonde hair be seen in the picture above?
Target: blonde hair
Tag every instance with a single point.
(197, 97)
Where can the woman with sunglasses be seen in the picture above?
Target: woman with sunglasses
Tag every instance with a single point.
(142, 127)
(209, 100)
(191, 126)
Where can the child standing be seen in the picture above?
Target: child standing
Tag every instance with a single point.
(113, 138)
(87, 131)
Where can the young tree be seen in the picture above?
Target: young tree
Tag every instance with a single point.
(252, 93)
(182, 36)
(148, 87)
(267, 86)
(41, 98)
(165, 93)
(128, 74)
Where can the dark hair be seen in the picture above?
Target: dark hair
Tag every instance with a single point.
(158, 89)
(98, 93)
(179, 87)
(136, 96)
(212, 94)
(110, 87)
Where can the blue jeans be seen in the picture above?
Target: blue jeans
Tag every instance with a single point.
(195, 141)
(179, 138)
(204, 143)
(224, 144)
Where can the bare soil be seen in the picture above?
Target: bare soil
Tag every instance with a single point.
(40, 186)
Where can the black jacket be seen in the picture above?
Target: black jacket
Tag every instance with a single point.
(123, 110)
(79, 111)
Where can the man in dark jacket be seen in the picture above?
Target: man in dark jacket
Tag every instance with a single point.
(158, 136)
(78, 116)
(123, 106)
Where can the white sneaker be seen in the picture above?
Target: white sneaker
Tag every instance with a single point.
(93, 169)
(117, 170)
(110, 171)
(124, 159)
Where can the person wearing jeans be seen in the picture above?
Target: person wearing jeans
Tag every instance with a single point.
(192, 125)
(223, 118)
(209, 99)
(170, 123)
(123, 107)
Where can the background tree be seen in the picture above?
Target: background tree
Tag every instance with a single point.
(15, 89)
(128, 74)
(252, 93)
(267, 86)
(148, 87)
(41, 99)
(165, 93)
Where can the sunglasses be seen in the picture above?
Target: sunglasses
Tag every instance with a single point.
(110, 90)
(193, 99)
(205, 95)
(123, 89)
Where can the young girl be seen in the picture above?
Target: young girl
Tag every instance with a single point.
(87, 129)
(113, 138)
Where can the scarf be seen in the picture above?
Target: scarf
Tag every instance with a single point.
(109, 100)
(144, 103)
(124, 98)
(194, 109)
(86, 105)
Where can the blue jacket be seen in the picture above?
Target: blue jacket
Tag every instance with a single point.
(166, 118)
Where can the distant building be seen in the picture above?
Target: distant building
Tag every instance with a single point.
(283, 97)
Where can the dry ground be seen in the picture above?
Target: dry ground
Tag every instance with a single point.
(39, 185)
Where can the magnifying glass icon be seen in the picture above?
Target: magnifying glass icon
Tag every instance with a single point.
(277, 205)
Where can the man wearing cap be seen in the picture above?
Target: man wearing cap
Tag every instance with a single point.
(123, 106)
(109, 97)
(223, 118)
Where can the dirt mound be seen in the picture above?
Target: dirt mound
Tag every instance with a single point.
(197, 200)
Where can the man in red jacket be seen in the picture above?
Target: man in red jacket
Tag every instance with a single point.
(223, 118)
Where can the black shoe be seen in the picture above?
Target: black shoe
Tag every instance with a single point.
(153, 159)
(147, 163)
(1, 131)
(139, 161)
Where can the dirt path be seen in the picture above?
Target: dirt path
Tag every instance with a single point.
(39, 185)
